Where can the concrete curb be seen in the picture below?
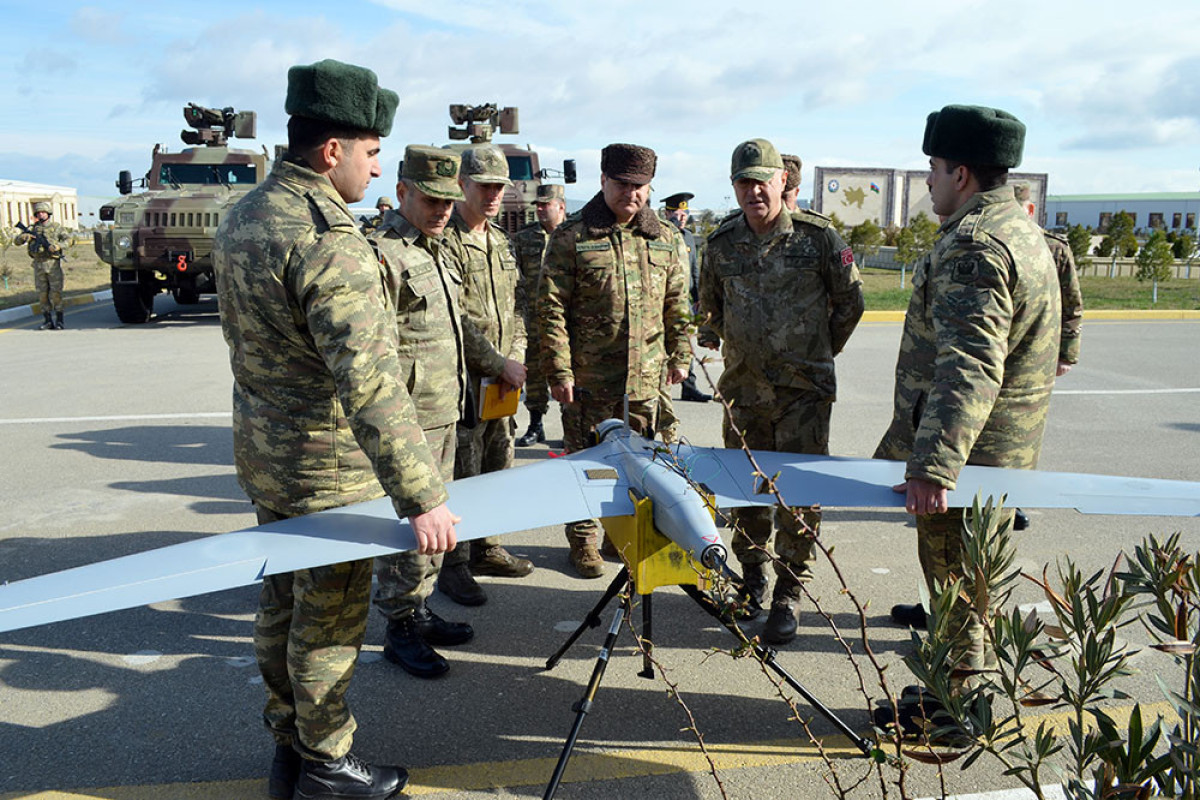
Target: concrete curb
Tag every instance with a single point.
(10, 314)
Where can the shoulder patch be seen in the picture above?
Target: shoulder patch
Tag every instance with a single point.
(590, 247)
(847, 257)
(964, 269)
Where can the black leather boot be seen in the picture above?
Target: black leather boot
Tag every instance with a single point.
(349, 778)
(58, 321)
(457, 583)
(48, 325)
(535, 433)
(781, 622)
(689, 393)
(285, 771)
(910, 616)
(406, 647)
(1020, 520)
(435, 630)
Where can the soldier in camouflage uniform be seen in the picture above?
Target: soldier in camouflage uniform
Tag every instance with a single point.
(382, 206)
(1072, 302)
(613, 313)
(980, 344)
(321, 418)
(45, 240)
(489, 297)
(791, 182)
(424, 279)
(529, 245)
(782, 291)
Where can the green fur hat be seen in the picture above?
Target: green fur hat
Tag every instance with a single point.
(341, 93)
(975, 135)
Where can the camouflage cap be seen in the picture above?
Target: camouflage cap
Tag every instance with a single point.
(792, 164)
(342, 94)
(975, 135)
(756, 159)
(678, 200)
(485, 163)
(433, 170)
(42, 205)
(628, 162)
(549, 192)
(384, 202)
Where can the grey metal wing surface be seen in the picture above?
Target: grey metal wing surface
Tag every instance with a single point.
(578, 486)
(832, 481)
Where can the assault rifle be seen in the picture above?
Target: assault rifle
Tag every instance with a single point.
(40, 240)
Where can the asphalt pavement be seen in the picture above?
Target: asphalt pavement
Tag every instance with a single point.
(116, 439)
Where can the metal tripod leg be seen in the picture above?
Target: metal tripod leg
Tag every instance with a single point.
(582, 707)
(592, 620)
(767, 656)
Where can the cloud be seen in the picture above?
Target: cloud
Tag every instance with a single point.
(99, 25)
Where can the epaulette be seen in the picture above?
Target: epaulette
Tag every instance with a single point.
(726, 224)
(333, 214)
(812, 218)
(1056, 235)
(967, 230)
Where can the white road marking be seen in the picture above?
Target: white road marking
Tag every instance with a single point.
(1057, 392)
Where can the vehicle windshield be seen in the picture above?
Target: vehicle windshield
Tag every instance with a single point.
(520, 168)
(207, 174)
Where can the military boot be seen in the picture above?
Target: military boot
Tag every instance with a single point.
(497, 561)
(535, 433)
(781, 622)
(910, 616)
(457, 583)
(750, 598)
(406, 647)
(48, 325)
(58, 321)
(585, 558)
(349, 778)
(285, 771)
(435, 630)
(689, 393)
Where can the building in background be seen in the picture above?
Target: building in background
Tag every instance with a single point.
(17, 199)
(1164, 210)
(894, 196)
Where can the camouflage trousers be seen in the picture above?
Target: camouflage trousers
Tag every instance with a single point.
(307, 635)
(667, 424)
(405, 580)
(940, 551)
(798, 422)
(488, 447)
(578, 420)
(48, 278)
(537, 391)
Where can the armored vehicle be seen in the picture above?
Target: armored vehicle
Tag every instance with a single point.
(161, 238)
(478, 124)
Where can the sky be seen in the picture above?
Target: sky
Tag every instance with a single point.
(1110, 94)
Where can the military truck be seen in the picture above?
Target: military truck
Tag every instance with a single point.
(161, 238)
(478, 124)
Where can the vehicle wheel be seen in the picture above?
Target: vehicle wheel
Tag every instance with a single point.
(134, 302)
(186, 297)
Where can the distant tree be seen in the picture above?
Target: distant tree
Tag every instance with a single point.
(1119, 237)
(1079, 237)
(924, 231)
(836, 223)
(890, 233)
(865, 239)
(1154, 260)
(1184, 245)
(906, 247)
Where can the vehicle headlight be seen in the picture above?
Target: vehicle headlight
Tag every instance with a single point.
(124, 242)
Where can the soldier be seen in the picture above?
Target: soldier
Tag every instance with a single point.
(791, 182)
(613, 313)
(432, 335)
(46, 240)
(489, 296)
(382, 206)
(321, 418)
(529, 245)
(678, 213)
(782, 291)
(980, 344)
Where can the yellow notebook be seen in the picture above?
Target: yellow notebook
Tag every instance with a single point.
(491, 405)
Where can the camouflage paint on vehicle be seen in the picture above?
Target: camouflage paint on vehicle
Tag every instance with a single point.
(161, 239)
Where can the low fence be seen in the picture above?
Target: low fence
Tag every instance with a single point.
(1099, 266)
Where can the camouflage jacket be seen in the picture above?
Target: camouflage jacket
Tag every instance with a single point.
(54, 234)
(613, 303)
(321, 418)
(425, 293)
(979, 348)
(1072, 298)
(784, 303)
(529, 245)
(489, 294)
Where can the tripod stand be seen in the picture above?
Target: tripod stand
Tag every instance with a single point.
(642, 547)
